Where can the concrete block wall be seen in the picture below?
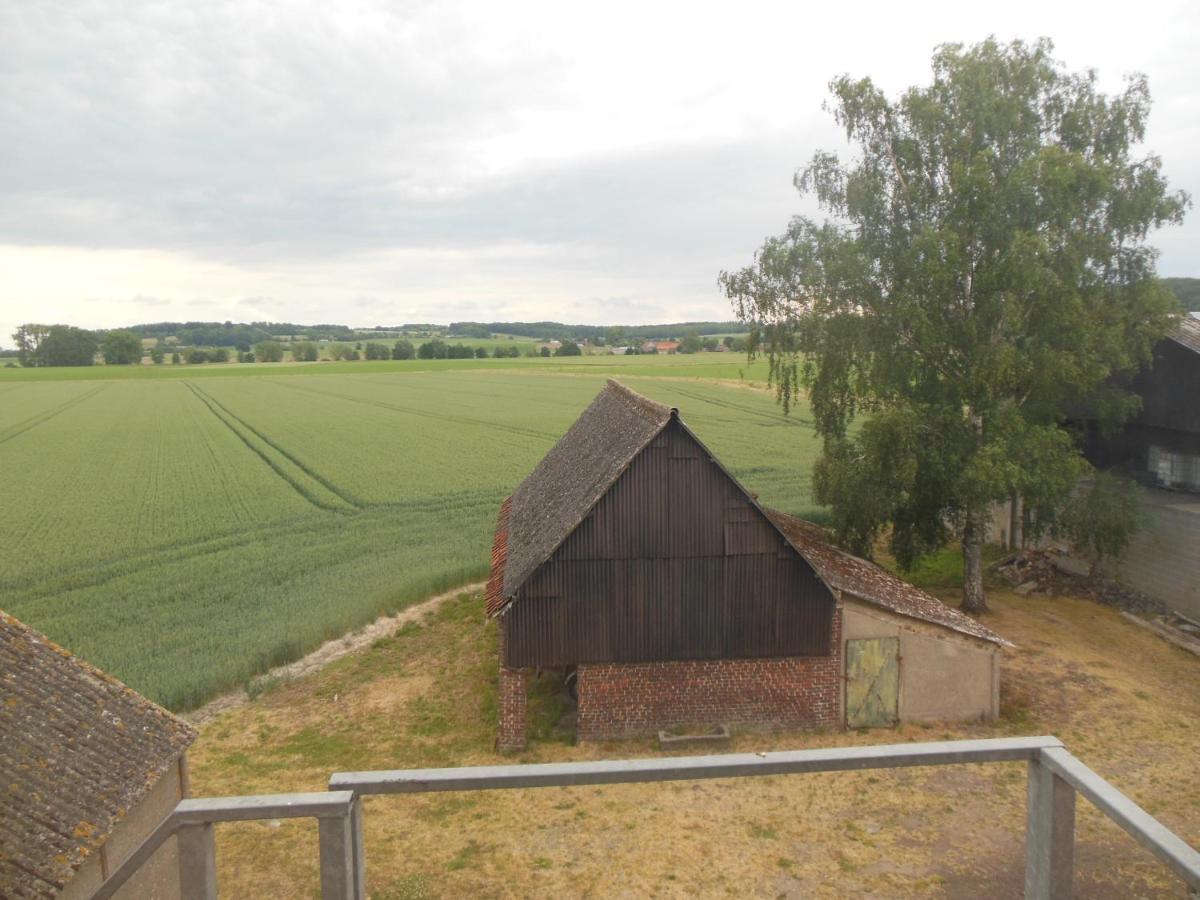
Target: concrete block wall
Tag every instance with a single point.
(1163, 560)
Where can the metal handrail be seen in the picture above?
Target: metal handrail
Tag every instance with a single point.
(192, 820)
(1055, 776)
(687, 768)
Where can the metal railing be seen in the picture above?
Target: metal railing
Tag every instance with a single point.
(1055, 776)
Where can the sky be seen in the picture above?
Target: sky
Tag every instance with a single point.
(368, 163)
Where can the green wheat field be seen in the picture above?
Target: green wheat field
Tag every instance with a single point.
(188, 528)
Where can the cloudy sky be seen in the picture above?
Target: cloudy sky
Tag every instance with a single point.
(382, 162)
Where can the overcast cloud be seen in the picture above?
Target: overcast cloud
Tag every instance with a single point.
(376, 163)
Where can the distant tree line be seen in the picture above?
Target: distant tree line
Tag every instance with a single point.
(596, 334)
(55, 345)
(1187, 290)
(240, 335)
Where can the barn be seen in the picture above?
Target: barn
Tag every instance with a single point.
(90, 767)
(633, 559)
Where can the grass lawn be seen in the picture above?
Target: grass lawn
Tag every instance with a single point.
(1124, 701)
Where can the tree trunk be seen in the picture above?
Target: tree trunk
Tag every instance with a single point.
(1016, 520)
(974, 532)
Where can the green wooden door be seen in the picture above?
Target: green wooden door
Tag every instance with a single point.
(872, 682)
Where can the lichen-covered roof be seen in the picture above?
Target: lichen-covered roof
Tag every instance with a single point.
(872, 584)
(78, 750)
(561, 490)
(1187, 333)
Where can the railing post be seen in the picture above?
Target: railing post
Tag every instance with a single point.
(338, 854)
(356, 835)
(197, 862)
(1049, 835)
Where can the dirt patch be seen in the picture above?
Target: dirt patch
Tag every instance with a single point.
(328, 652)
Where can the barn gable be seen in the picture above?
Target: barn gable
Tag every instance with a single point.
(672, 560)
(563, 487)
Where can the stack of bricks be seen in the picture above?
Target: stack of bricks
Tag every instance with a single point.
(619, 700)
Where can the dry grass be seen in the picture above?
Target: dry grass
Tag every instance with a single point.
(1125, 702)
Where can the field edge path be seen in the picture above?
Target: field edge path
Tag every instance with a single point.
(328, 652)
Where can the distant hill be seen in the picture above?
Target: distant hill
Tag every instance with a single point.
(1187, 290)
(544, 331)
(243, 334)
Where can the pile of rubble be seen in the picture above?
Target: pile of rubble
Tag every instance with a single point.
(1051, 573)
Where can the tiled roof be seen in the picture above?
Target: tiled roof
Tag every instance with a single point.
(870, 583)
(561, 490)
(494, 598)
(1187, 333)
(78, 750)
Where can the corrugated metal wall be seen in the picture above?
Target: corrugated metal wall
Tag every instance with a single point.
(673, 563)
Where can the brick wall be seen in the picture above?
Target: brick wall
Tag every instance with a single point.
(627, 699)
(511, 699)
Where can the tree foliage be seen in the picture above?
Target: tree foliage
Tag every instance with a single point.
(268, 351)
(1187, 290)
(691, 343)
(1103, 515)
(305, 351)
(121, 348)
(435, 349)
(54, 345)
(983, 272)
(374, 350)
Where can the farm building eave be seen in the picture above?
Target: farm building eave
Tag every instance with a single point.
(872, 584)
(1187, 334)
(78, 750)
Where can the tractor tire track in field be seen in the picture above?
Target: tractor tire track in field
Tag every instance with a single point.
(437, 417)
(306, 491)
(316, 476)
(94, 573)
(33, 421)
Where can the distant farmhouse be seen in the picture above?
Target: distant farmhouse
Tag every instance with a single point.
(631, 559)
(660, 346)
(1160, 447)
(88, 768)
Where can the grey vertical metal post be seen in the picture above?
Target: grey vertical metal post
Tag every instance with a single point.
(337, 857)
(356, 835)
(197, 862)
(1049, 835)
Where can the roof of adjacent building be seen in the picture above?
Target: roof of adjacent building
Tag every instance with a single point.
(551, 502)
(871, 583)
(1187, 333)
(78, 750)
(565, 485)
